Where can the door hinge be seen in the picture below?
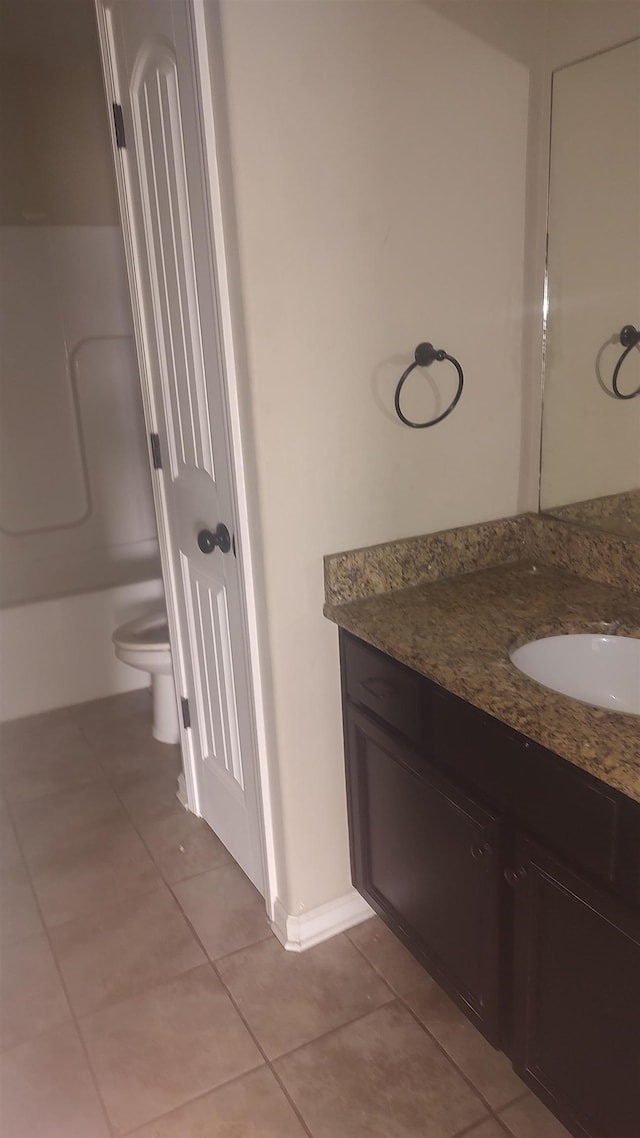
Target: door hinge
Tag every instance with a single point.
(186, 714)
(118, 124)
(156, 455)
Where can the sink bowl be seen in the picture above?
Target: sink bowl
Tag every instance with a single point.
(596, 669)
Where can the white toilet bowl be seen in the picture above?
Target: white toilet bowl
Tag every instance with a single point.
(144, 644)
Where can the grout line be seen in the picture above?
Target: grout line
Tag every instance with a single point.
(397, 998)
(290, 1100)
(516, 1098)
(492, 1110)
(74, 1018)
(467, 1131)
(267, 1060)
(188, 1102)
(198, 872)
(504, 1126)
(323, 1034)
(510, 1133)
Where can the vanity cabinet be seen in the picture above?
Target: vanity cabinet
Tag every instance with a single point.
(428, 858)
(511, 875)
(577, 995)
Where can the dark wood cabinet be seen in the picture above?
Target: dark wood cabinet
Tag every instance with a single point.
(427, 858)
(576, 996)
(512, 876)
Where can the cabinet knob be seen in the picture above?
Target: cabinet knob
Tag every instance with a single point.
(513, 876)
(480, 851)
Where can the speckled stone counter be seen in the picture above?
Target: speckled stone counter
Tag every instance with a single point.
(458, 631)
(609, 558)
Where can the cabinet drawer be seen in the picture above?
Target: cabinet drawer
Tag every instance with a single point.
(562, 806)
(397, 696)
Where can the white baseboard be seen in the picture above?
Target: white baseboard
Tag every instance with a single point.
(321, 923)
(181, 791)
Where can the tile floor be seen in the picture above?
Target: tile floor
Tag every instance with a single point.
(142, 992)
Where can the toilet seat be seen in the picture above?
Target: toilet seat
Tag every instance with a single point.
(148, 632)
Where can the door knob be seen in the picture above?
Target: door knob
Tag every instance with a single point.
(221, 539)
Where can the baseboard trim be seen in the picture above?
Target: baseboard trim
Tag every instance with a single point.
(181, 791)
(321, 923)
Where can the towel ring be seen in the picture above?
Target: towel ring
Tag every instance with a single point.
(424, 356)
(629, 337)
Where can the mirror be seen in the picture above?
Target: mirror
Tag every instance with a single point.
(590, 457)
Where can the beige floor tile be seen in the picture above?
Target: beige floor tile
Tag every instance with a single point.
(9, 849)
(19, 917)
(489, 1070)
(16, 734)
(46, 1090)
(32, 998)
(47, 761)
(251, 1107)
(389, 957)
(123, 949)
(489, 1129)
(182, 845)
(158, 1050)
(82, 877)
(225, 909)
(152, 797)
(377, 1077)
(115, 718)
(127, 764)
(289, 998)
(48, 826)
(529, 1118)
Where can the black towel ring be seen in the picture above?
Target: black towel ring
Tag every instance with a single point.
(424, 356)
(629, 337)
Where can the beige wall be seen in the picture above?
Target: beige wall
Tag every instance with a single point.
(54, 144)
(378, 155)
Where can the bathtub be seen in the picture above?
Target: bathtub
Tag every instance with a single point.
(78, 542)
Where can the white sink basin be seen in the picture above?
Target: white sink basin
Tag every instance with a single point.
(601, 670)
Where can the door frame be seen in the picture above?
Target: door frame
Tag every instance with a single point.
(229, 319)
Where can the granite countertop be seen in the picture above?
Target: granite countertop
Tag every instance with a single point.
(459, 630)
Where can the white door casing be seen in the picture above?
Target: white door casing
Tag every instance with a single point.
(153, 67)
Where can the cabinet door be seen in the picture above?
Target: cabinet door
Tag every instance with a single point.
(426, 858)
(577, 997)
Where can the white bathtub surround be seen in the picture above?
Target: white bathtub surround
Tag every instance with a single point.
(76, 510)
(58, 652)
(78, 545)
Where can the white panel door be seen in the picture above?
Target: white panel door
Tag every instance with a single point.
(166, 220)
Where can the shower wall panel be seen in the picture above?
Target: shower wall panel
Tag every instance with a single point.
(76, 511)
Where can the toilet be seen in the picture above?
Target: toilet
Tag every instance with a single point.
(144, 644)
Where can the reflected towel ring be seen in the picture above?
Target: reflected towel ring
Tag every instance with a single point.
(424, 356)
(629, 337)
